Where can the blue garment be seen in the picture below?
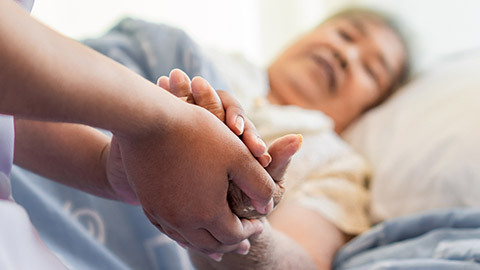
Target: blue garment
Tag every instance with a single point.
(26, 4)
(436, 240)
(153, 50)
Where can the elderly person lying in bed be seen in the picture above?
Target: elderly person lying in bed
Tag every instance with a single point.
(331, 76)
(333, 73)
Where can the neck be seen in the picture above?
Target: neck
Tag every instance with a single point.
(273, 98)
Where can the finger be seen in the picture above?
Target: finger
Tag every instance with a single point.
(243, 249)
(239, 124)
(180, 85)
(203, 241)
(282, 150)
(230, 230)
(255, 144)
(255, 182)
(199, 239)
(171, 233)
(164, 83)
(206, 97)
(235, 115)
(216, 256)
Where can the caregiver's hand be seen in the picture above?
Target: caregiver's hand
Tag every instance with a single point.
(181, 175)
(226, 109)
(178, 158)
(220, 103)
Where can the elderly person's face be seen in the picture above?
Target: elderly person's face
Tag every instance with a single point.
(342, 67)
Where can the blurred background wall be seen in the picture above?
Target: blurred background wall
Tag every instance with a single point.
(259, 29)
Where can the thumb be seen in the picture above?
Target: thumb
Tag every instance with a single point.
(257, 184)
(282, 150)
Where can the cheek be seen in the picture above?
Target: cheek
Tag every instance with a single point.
(359, 95)
(362, 88)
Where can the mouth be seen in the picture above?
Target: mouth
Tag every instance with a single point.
(327, 70)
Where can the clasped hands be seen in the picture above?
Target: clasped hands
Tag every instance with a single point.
(183, 172)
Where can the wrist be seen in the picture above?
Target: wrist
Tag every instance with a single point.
(119, 187)
(153, 113)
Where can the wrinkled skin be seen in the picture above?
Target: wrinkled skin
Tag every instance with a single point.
(240, 203)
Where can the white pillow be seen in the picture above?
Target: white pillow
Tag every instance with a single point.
(424, 143)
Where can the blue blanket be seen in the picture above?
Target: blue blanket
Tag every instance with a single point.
(440, 239)
(88, 232)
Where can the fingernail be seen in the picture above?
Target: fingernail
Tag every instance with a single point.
(185, 77)
(240, 124)
(244, 246)
(243, 252)
(216, 256)
(300, 136)
(269, 207)
(268, 158)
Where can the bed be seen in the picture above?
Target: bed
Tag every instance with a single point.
(423, 143)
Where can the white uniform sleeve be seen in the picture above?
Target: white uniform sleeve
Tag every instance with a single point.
(20, 245)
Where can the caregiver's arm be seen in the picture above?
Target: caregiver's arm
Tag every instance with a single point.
(67, 153)
(45, 76)
(50, 77)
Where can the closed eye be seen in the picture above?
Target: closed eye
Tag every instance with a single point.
(345, 35)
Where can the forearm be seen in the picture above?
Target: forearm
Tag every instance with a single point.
(71, 154)
(270, 250)
(50, 77)
(311, 230)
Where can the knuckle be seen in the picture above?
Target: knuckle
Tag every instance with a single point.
(217, 110)
(251, 128)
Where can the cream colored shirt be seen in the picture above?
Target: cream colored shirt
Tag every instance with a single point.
(326, 175)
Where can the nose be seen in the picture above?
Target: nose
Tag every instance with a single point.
(348, 53)
(352, 52)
